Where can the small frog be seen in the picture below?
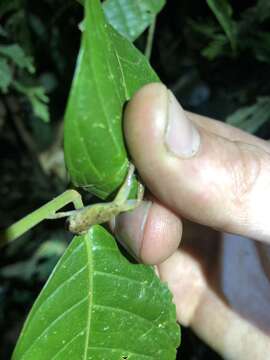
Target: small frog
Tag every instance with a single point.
(79, 221)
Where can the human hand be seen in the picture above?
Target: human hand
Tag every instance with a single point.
(213, 175)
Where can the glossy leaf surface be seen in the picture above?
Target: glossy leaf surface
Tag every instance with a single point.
(96, 305)
(109, 70)
(130, 18)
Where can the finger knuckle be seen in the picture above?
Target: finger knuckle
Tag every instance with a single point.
(245, 170)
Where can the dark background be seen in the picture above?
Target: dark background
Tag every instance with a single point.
(216, 82)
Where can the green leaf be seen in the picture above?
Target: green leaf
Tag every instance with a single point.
(5, 75)
(8, 5)
(215, 48)
(223, 12)
(130, 18)
(38, 99)
(206, 28)
(96, 305)
(16, 54)
(109, 70)
(251, 118)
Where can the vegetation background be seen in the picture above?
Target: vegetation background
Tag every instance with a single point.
(223, 74)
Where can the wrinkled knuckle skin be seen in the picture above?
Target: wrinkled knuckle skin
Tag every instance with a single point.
(245, 172)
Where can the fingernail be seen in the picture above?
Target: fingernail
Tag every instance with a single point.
(129, 228)
(181, 137)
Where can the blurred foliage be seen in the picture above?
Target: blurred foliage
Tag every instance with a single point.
(246, 30)
(246, 34)
(251, 118)
(223, 12)
(16, 67)
(36, 63)
(214, 55)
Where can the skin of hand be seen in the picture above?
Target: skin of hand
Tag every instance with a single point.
(204, 178)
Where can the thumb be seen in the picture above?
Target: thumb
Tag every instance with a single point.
(194, 168)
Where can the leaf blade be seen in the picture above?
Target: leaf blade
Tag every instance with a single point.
(124, 303)
(16, 54)
(130, 18)
(223, 12)
(94, 147)
(251, 118)
(37, 98)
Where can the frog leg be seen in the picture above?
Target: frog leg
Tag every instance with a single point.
(124, 190)
(121, 200)
(62, 214)
(129, 205)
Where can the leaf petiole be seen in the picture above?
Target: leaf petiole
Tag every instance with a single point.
(150, 39)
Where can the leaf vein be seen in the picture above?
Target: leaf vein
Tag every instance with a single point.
(63, 284)
(68, 344)
(124, 350)
(109, 307)
(67, 311)
(109, 125)
(36, 310)
(118, 276)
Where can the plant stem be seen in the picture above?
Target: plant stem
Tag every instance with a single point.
(150, 38)
(44, 212)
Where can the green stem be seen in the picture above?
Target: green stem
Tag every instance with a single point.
(150, 38)
(44, 212)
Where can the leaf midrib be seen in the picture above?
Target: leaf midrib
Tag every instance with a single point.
(90, 294)
(106, 116)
